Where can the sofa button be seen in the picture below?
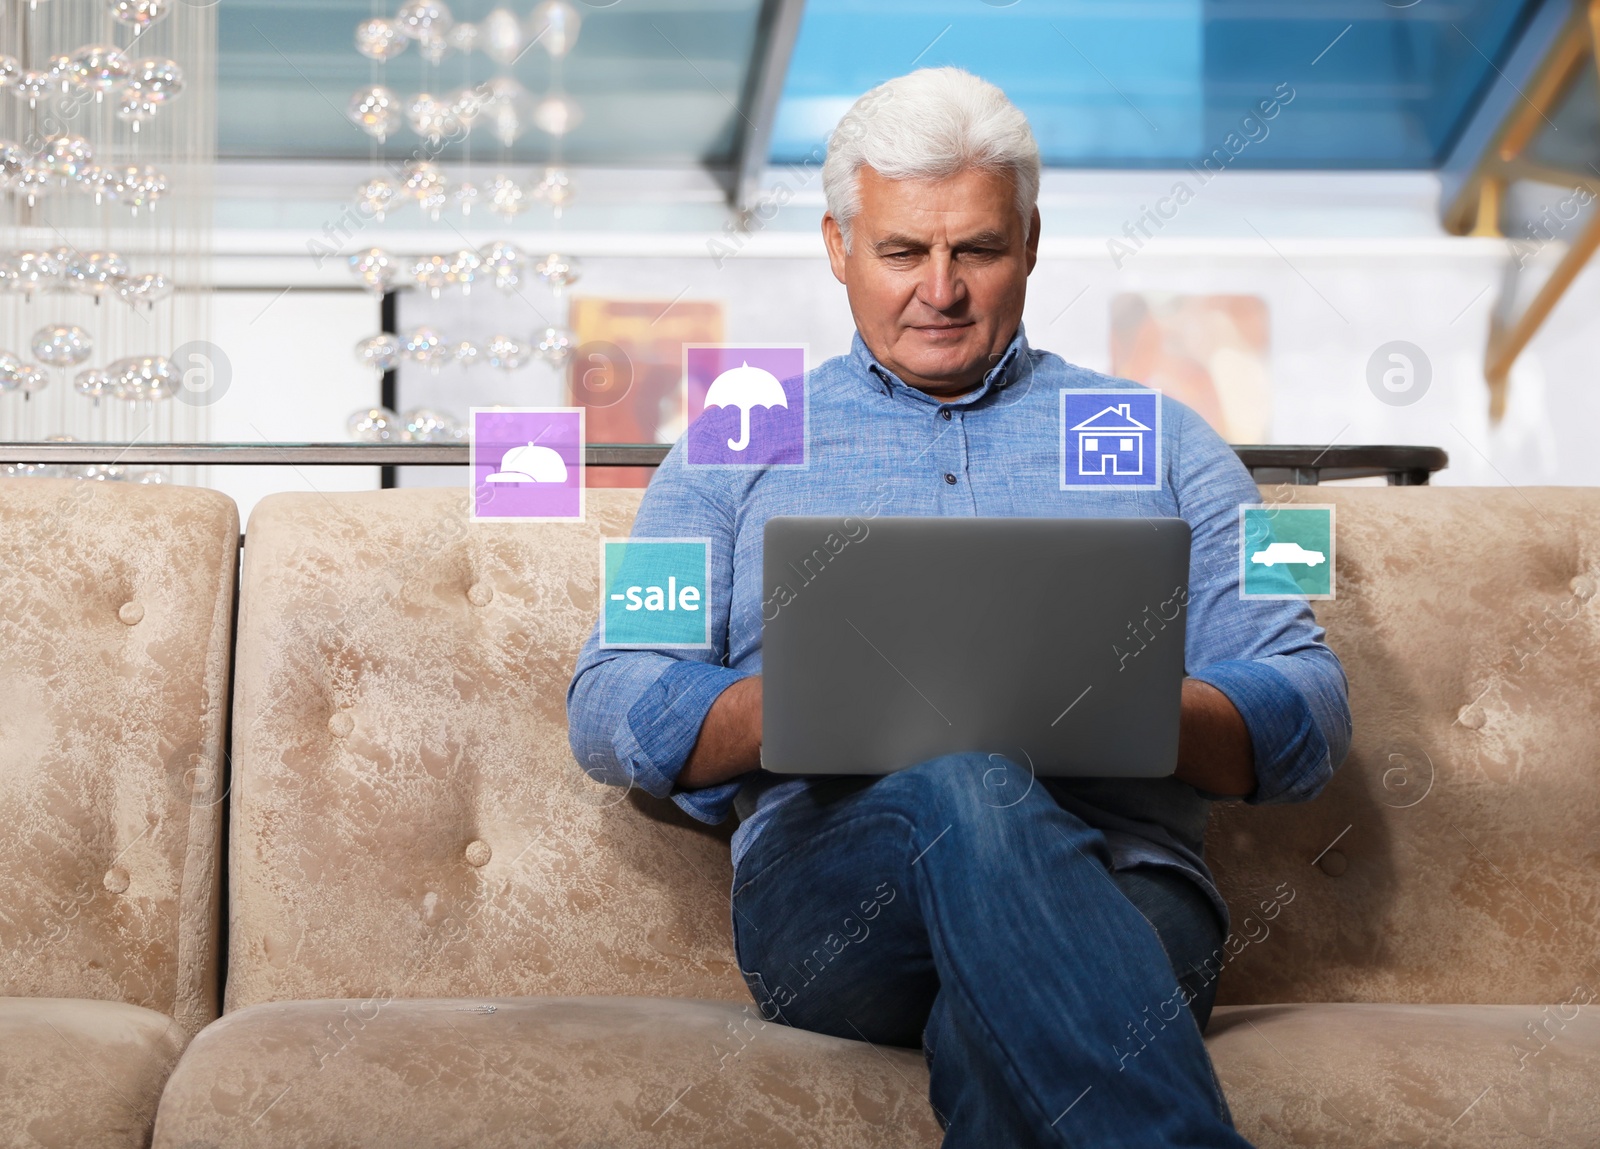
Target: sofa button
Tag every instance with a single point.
(480, 594)
(1333, 863)
(116, 879)
(478, 853)
(131, 613)
(1472, 716)
(1583, 586)
(341, 725)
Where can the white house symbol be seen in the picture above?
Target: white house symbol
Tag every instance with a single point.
(1111, 437)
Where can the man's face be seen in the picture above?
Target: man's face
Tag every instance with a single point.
(936, 273)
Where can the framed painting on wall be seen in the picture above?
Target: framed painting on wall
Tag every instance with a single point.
(1210, 352)
(627, 371)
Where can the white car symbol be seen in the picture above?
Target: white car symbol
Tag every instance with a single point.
(1287, 553)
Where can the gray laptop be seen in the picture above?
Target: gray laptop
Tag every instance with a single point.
(1055, 642)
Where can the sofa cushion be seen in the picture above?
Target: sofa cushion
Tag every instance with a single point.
(1457, 850)
(555, 1072)
(115, 626)
(408, 819)
(1467, 1076)
(608, 1071)
(78, 1074)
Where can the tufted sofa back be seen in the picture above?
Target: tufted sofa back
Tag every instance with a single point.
(407, 816)
(1455, 858)
(116, 608)
(408, 819)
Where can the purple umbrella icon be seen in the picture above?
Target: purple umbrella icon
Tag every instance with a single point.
(745, 387)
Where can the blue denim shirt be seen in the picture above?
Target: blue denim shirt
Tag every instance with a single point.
(879, 446)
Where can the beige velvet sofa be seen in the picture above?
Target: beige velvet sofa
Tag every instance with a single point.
(442, 933)
(1446, 909)
(115, 617)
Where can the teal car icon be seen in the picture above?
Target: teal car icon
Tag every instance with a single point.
(1287, 553)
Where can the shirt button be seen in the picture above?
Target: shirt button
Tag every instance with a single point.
(945, 414)
(949, 478)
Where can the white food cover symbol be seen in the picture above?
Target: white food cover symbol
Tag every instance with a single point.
(530, 464)
(745, 387)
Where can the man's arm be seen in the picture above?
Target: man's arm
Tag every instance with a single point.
(1214, 750)
(633, 716)
(730, 738)
(1267, 657)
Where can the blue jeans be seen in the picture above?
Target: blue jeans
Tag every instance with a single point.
(929, 908)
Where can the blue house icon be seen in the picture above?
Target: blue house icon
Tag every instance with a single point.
(1111, 443)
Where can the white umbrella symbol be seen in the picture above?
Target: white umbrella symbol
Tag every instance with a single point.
(745, 387)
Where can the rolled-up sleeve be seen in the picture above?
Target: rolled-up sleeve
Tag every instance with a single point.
(1294, 758)
(1268, 656)
(633, 716)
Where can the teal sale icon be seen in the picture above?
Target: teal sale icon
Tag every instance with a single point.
(1286, 551)
(656, 593)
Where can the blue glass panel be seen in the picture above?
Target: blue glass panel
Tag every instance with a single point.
(1164, 83)
(1121, 82)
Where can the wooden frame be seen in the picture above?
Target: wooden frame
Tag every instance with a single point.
(1476, 207)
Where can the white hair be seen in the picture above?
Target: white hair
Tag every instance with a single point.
(929, 125)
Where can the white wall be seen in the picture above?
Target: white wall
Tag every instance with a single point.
(294, 380)
(1346, 262)
(1332, 304)
(1332, 308)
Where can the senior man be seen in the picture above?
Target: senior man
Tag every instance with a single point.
(1040, 946)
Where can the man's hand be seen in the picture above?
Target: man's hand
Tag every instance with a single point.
(730, 737)
(1214, 749)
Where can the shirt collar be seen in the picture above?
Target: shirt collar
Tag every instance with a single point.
(1013, 364)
